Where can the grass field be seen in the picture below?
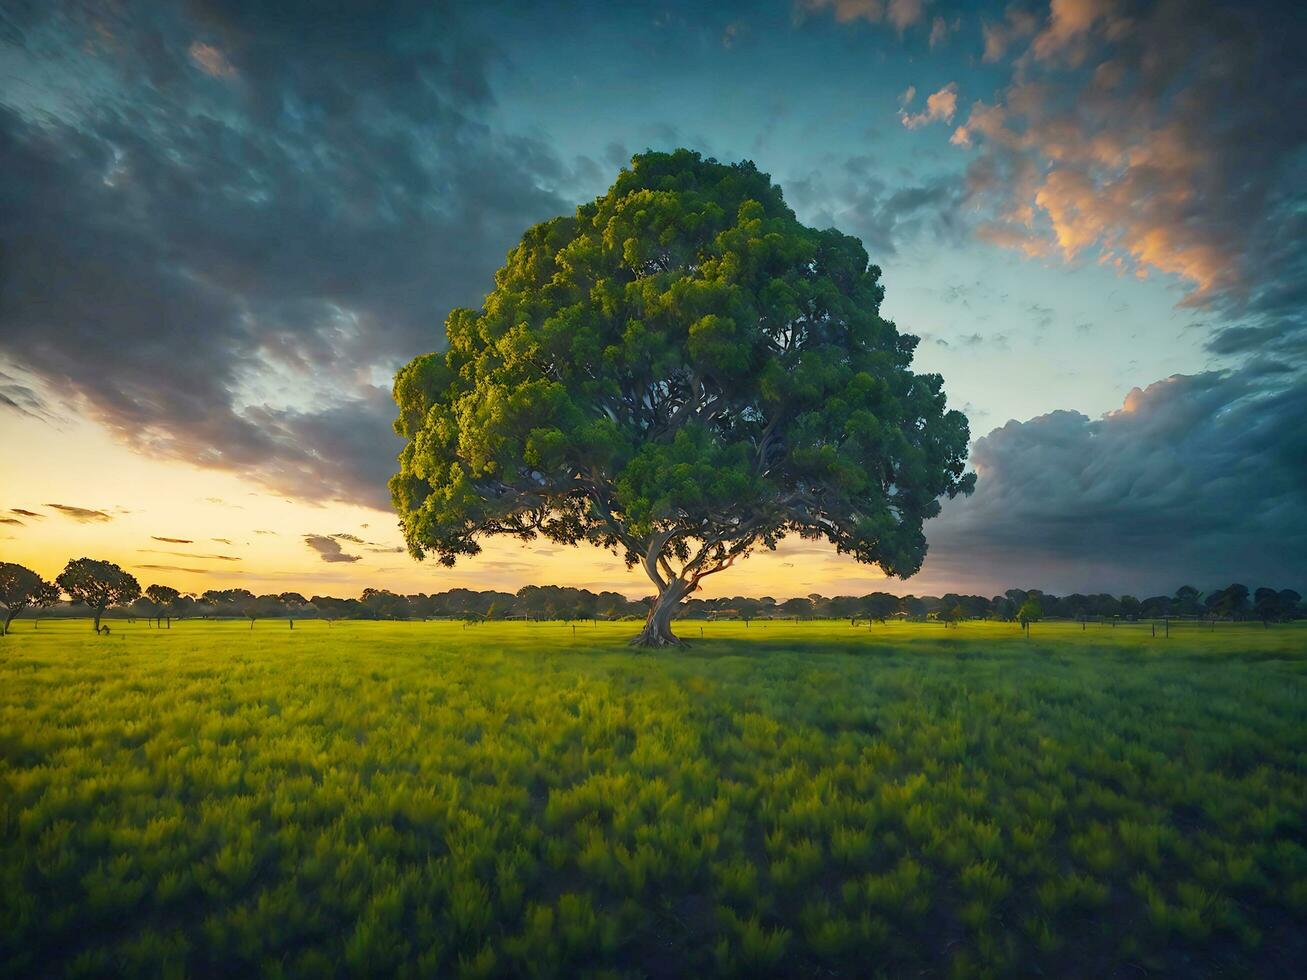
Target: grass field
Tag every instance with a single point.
(513, 799)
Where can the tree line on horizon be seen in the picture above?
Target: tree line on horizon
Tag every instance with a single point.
(99, 587)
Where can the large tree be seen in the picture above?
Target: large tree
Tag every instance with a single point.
(98, 584)
(20, 587)
(681, 372)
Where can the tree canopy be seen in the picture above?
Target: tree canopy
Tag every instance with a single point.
(98, 584)
(680, 372)
(21, 587)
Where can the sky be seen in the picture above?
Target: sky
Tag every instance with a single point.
(224, 226)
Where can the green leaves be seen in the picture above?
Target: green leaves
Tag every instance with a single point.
(98, 583)
(679, 364)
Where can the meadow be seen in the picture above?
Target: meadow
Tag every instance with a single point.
(526, 799)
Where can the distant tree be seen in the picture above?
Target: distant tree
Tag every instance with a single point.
(680, 373)
(384, 604)
(746, 609)
(143, 607)
(20, 588)
(165, 599)
(838, 607)
(954, 614)
(293, 604)
(47, 595)
(229, 602)
(1232, 601)
(1002, 607)
(1030, 612)
(1130, 607)
(1186, 601)
(1290, 604)
(329, 608)
(1156, 606)
(913, 607)
(1270, 605)
(799, 607)
(262, 607)
(98, 584)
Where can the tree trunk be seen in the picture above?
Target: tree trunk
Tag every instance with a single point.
(99, 611)
(657, 630)
(9, 618)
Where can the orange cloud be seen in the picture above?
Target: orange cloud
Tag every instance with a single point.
(1068, 21)
(941, 106)
(1132, 171)
(211, 60)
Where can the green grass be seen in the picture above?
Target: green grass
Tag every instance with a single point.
(511, 799)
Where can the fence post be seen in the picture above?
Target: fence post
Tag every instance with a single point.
(1154, 631)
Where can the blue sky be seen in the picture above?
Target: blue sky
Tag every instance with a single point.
(227, 223)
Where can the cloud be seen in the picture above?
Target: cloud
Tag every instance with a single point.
(83, 515)
(328, 548)
(372, 546)
(940, 30)
(222, 273)
(156, 537)
(12, 520)
(23, 399)
(211, 60)
(1017, 24)
(1195, 478)
(1152, 138)
(941, 106)
(221, 540)
(1068, 21)
(179, 568)
(904, 13)
(847, 11)
(186, 554)
(266, 532)
(850, 195)
(26, 513)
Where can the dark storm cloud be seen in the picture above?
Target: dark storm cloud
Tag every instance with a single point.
(328, 548)
(83, 515)
(1197, 477)
(1167, 136)
(224, 202)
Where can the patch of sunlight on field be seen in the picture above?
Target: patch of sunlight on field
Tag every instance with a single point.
(529, 799)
